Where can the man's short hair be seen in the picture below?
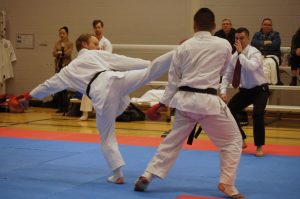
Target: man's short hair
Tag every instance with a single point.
(96, 21)
(82, 38)
(266, 19)
(242, 29)
(204, 19)
(226, 20)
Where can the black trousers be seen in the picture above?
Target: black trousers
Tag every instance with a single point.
(62, 101)
(258, 96)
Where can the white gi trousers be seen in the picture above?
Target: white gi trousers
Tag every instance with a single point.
(116, 100)
(220, 128)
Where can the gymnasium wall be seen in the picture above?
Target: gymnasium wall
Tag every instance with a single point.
(126, 22)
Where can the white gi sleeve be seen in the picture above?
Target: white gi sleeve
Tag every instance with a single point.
(227, 61)
(174, 78)
(53, 85)
(123, 63)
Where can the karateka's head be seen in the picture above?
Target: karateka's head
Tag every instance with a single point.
(98, 28)
(204, 20)
(242, 35)
(87, 41)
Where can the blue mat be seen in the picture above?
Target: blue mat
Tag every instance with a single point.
(59, 169)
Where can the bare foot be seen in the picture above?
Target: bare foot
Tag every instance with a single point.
(119, 180)
(230, 191)
(259, 151)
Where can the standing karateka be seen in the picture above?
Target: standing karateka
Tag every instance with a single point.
(192, 89)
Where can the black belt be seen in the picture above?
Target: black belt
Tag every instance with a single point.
(88, 88)
(211, 91)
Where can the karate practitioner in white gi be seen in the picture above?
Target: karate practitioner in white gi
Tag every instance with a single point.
(109, 91)
(195, 72)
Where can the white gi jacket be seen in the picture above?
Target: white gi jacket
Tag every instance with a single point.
(86, 104)
(81, 70)
(252, 73)
(198, 73)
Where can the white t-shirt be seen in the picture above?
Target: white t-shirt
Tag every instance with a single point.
(105, 44)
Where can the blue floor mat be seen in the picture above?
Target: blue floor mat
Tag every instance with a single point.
(60, 169)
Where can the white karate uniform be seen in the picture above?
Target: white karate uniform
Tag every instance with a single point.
(109, 91)
(86, 104)
(198, 63)
(7, 56)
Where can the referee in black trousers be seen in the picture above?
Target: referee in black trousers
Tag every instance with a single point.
(245, 72)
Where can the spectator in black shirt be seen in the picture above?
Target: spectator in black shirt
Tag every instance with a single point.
(227, 32)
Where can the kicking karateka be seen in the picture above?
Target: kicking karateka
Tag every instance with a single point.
(106, 79)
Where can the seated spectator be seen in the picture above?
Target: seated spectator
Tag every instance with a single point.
(295, 57)
(268, 42)
(227, 32)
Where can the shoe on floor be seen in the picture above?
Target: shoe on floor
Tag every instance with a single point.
(259, 151)
(230, 191)
(141, 184)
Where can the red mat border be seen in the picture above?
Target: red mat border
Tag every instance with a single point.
(273, 149)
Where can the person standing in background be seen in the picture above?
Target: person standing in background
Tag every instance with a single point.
(295, 57)
(104, 44)
(62, 52)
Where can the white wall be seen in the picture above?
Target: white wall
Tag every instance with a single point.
(126, 21)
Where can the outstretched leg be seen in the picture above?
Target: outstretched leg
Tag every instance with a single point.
(135, 79)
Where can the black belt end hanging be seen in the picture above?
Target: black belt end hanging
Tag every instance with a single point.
(194, 134)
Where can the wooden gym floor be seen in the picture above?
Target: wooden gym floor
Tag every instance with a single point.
(285, 131)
